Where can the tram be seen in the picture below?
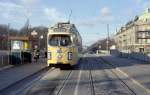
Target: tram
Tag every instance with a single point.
(64, 45)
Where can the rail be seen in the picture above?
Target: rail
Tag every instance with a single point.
(124, 83)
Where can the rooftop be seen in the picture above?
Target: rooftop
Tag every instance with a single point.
(145, 16)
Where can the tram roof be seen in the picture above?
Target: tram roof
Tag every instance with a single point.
(65, 33)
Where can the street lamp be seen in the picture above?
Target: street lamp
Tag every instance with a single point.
(34, 34)
(99, 47)
(107, 42)
(41, 37)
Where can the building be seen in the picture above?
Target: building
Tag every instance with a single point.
(101, 45)
(135, 35)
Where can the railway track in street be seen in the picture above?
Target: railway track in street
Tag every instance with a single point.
(96, 77)
(114, 73)
(63, 84)
(91, 83)
(17, 87)
(93, 76)
(52, 83)
(103, 81)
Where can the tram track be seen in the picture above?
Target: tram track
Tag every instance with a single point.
(91, 83)
(93, 77)
(62, 85)
(110, 78)
(22, 84)
(116, 75)
(91, 80)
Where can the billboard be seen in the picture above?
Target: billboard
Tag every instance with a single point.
(16, 45)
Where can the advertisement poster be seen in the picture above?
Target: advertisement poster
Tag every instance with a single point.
(17, 45)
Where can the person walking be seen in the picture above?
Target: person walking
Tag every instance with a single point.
(36, 54)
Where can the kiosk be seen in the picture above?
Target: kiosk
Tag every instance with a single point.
(20, 50)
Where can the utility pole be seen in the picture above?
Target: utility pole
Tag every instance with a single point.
(27, 27)
(107, 42)
(70, 15)
(8, 42)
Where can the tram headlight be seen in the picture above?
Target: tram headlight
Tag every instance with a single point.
(70, 56)
(49, 55)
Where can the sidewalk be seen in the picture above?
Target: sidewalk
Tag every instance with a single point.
(135, 69)
(12, 75)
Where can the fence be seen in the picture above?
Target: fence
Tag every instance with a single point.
(133, 55)
(140, 56)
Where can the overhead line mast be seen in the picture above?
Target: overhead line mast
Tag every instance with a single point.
(70, 15)
(107, 37)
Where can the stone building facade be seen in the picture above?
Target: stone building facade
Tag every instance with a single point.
(135, 35)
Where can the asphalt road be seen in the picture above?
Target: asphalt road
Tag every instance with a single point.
(90, 77)
(94, 75)
(134, 72)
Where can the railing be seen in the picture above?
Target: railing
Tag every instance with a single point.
(133, 55)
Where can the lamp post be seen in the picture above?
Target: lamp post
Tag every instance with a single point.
(99, 48)
(33, 34)
(41, 37)
(107, 42)
(8, 43)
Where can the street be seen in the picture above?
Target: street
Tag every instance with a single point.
(92, 76)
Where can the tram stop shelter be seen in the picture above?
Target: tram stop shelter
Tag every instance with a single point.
(20, 50)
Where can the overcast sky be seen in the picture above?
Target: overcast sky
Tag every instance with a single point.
(90, 16)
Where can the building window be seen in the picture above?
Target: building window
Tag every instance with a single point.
(140, 34)
(144, 41)
(140, 41)
(143, 35)
(148, 33)
(141, 49)
(148, 40)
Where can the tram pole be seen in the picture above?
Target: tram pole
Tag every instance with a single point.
(8, 42)
(107, 42)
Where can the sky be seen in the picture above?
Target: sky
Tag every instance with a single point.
(90, 16)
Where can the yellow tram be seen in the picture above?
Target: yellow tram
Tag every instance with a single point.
(64, 44)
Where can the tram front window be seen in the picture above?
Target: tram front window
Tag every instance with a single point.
(59, 40)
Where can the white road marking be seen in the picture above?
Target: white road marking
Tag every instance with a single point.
(77, 86)
(133, 80)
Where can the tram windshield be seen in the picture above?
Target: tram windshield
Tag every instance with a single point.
(59, 40)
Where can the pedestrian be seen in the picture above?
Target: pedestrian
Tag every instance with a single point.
(36, 55)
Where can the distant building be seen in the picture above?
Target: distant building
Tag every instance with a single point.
(135, 35)
(101, 45)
